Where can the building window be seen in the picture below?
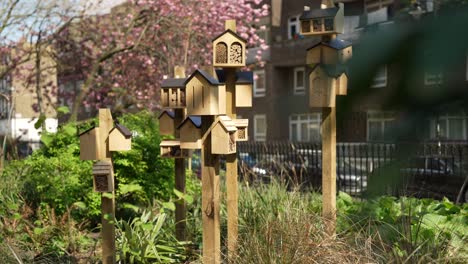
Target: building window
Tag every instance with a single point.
(380, 15)
(4, 85)
(293, 27)
(350, 24)
(299, 80)
(432, 78)
(3, 108)
(259, 83)
(449, 126)
(304, 127)
(380, 78)
(260, 127)
(379, 125)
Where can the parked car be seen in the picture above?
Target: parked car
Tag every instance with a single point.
(436, 177)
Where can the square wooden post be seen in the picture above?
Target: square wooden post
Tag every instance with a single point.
(107, 203)
(179, 170)
(328, 128)
(210, 199)
(231, 169)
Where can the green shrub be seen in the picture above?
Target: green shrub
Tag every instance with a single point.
(146, 239)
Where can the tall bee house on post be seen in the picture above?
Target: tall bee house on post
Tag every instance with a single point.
(229, 48)
(205, 95)
(324, 21)
(89, 144)
(173, 93)
(167, 123)
(120, 138)
(223, 136)
(190, 133)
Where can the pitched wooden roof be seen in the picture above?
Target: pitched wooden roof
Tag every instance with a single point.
(170, 113)
(173, 83)
(125, 131)
(337, 44)
(86, 131)
(231, 32)
(227, 123)
(195, 120)
(205, 75)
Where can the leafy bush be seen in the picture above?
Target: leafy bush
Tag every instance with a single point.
(49, 202)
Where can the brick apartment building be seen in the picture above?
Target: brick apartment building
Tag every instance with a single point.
(280, 101)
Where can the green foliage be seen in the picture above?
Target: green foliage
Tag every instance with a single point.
(414, 229)
(145, 240)
(142, 164)
(47, 200)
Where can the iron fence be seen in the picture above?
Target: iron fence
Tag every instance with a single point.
(429, 169)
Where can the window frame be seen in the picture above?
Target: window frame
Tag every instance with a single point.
(293, 23)
(259, 92)
(299, 90)
(259, 136)
(304, 118)
(376, 80)
(433, 78)
(436, 123)
(382, 120)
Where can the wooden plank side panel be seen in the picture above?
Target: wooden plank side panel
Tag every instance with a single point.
(243, 95)
(322, 90)
(118, 142)
(219, 140)
(89, 145)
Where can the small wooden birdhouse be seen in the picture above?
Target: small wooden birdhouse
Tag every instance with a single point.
(190, 133)
(341, 84)
(244, 87)
(173, 93)
(321, 89)
(90, 144)
(166, 123)
(223, 136)
(229, 48)
(242, 133)
(171, 149)
(324, 21)
(205, 95)
(120, 138)
(102, 177)
(334, 51)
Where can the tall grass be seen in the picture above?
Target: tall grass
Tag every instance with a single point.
(281, 226)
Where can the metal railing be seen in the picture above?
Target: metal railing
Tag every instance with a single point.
(429, 169)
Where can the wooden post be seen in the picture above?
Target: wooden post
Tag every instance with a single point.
(328, 128)
(231, 169)
(210, 199)
(107, 203)
(179, 169)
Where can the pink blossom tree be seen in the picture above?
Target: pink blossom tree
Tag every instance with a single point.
(121, 57)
